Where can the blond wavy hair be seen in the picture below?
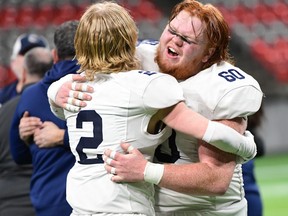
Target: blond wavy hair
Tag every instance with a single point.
(105, 41)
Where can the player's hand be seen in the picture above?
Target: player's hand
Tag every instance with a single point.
(48, 135)
(71, 95)
(125, 167)
(250, 150)
(27, 127)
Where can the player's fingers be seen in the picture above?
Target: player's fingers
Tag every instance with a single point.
(128, 148)
(72, 108)
(116, 178)
(79, 95)
(107, 152)
(107, 168)
(109, 161)
(113, 171)
(112, 154)
(83, 87)
(75, 102)
(78, 78)
(116, 156)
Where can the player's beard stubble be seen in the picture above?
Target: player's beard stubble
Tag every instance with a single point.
(179, 71)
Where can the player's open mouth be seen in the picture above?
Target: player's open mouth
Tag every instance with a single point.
(172, 52)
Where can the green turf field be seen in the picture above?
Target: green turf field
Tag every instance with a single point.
(272, 176)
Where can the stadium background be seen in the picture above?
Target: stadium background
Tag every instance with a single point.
(259, 43)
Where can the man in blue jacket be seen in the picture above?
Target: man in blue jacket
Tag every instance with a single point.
(51, 165)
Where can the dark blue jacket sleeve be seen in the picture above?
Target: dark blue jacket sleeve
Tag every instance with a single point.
(19, 150)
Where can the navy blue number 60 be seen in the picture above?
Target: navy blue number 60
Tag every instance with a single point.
(231, 75)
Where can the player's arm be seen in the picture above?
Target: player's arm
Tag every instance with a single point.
(133, 167)
(211, 176)
(183, 119)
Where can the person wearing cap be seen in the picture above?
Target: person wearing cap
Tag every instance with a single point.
(15, 179)
(23, 44)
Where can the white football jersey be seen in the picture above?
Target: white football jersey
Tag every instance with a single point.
(221, 91)
(146, 51)
(121, 108)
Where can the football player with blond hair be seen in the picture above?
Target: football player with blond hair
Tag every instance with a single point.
(128, 104)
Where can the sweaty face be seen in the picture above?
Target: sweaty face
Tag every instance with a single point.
(181, 47)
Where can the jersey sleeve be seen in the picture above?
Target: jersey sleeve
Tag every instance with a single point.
(243, 95)
(146, 51)
(163, 91)
(223, 92)
(240, 102)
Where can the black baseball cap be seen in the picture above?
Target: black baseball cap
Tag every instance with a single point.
(26, 42)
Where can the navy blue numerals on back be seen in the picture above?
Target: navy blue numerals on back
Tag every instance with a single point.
(231, 75)
(89, 142)
(149, 73)
(148, 41)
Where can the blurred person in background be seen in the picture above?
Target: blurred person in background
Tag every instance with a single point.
(23, 44)
(46, 145)
(7, 76)
(15, 179)
(252, 191)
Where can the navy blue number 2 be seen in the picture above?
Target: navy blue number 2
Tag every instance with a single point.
(89, 142)
(231, 75)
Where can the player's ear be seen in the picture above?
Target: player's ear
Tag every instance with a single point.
(55, 55)
(209, 54)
